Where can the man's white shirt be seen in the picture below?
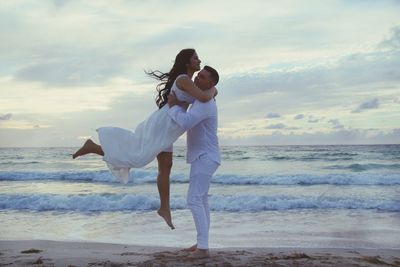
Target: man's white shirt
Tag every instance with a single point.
(201, 124)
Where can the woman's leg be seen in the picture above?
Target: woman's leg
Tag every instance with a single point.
(164, 170)
(88, 147)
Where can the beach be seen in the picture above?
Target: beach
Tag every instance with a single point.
(56, 253)
(300, 97)
(270, 206)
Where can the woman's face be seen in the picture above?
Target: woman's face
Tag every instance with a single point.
(194, 63)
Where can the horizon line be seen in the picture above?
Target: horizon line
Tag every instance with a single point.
(239, 145)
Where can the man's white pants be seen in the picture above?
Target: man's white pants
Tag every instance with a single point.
(201, 171)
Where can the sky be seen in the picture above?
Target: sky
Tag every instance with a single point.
(304, 72)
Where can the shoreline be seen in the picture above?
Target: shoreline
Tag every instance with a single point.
(81, 253)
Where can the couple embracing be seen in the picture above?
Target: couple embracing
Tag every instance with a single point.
(123, 149)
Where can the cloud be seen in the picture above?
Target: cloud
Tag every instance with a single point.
(299, 117)
(62, 61)
(276, 126)
(281, 126)
(5, 117)
(352, 71)
(329, 85)
(336, 124)
(61, 3)
(34, 98)
(273, 115)
(311, 119)
(60, 67)
(371, 104)
(351, 136)
(393, 42)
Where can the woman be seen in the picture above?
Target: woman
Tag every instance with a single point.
(123, 149)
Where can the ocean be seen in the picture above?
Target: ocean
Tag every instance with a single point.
(261, 196)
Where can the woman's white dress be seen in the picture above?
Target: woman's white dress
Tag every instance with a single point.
(125, 149)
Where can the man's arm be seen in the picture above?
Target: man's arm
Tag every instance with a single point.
(187, 120)
(173, 101)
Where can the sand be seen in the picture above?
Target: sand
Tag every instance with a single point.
(56, 253)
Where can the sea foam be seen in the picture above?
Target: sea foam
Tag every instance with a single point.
(142, 202)
(148, 176)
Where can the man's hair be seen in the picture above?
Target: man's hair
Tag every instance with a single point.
(213, 73)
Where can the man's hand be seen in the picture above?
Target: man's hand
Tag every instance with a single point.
(172, 101)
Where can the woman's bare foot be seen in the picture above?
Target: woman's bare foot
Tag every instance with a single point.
(85, 149)
(191, 249)
(166, 215)
(199, 254)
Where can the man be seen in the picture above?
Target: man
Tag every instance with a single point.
(201, 122)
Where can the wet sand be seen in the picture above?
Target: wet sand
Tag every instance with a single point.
(56, 253)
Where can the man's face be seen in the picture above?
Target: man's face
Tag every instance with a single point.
(203, 80)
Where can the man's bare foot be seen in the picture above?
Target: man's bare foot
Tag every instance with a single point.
(199, 254)
(166, 215)
(85, 149)
(191, 249)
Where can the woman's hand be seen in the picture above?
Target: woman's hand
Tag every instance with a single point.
(216, 92)
(211, 93)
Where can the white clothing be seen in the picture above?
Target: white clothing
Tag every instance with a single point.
(125, 149)
(201, 171)
(201, 123)
(169, 149)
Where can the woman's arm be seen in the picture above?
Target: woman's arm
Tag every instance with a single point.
(187, 85)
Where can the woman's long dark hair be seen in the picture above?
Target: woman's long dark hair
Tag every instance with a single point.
(167, 79)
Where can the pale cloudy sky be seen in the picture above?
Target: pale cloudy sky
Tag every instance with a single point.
(292, 72)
